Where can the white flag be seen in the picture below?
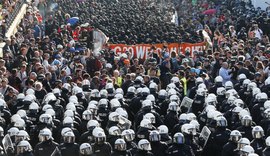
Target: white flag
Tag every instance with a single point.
(99, 40)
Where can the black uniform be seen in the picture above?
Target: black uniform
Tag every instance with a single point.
(166, 138)
(131, 147)
(198, 104)
(26, 105)
(17, 106)
(142, 112)
(202, 119)
(87, 137)
(177, 127)
(104, 149)
(164, 107)
(143, 153)
(26, 154)
(244, 94)
(121, 153)
(213, 89)
(238, 85)
(258, 145)
(69, 149)
(83, 125)
(257, 112)
(129, 97)
(45, 148)
(266, 151)
(111, 139)
(266, 89)
(82, 101)
(216, 142)
(192, 92)
(180, 149)
(5, 114)
(246, 132)
(136, 104)
(142, 133)
(103, 115)
(265, 123)
(229, 149)
(170, 120)
(59, 110)
(190, 141)
(110, 124)
(159, 148)
(33, 116)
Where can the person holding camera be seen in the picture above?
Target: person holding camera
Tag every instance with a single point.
(225, 72)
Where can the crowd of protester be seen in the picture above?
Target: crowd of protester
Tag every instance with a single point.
(58, 97)
(8, 11)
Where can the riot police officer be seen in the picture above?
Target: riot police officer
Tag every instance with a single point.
(144, 148)
(158, 148)
(101, 147)
(179, 147)
(114, 134)
(46, 146)
(229, 148)
(218, 138)
(24, 149)
(120, 148)
(246, 127)
(258, 142)
(266, 151)
(69, 147)
(86, 149)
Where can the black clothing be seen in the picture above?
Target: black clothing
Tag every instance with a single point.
(69, 149)
(121, 153)
(143, 153)
(159, 148)
(180, 149)
(170, 120)
(266, 151)
(45, 148)
(228, 149)
(102, 149)
(246, 132)
(198, 104)
(258, 145)
(216, 142)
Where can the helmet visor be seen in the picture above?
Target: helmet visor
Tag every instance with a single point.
(69, 139)
(179, 140)
(128, 137)
(100, 140)
(235, 138)
(22, 149)
(246, 122)
(257, 135)
(43, 138)
(121, 147)
(145, 147)
(19, 138)
(154, 137)
(46, 120)
(86, 151)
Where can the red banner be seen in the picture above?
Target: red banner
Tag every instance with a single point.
(140, 51)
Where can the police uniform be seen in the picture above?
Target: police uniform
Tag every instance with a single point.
(159, 148)
(69, 149)
(180, 149)
(45, 148)
(104, 149)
